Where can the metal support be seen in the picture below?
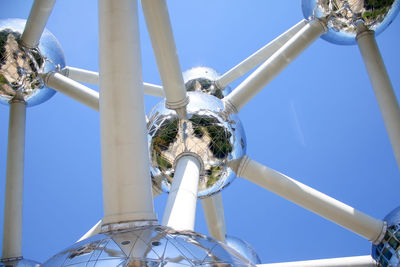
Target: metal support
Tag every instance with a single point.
(40, 12)
(358, 261)
(214, 215)
(162, 39)
(382, 86)
(127, 192)
(96, 229)
(180, 211)
(92, 77)
(245, 91)
(259, 56)
(12, 229)
(311, 199)
(73, 89)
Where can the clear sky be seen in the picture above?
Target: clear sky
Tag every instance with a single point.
(317, 122)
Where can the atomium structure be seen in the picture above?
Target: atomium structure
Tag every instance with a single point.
(192, 146)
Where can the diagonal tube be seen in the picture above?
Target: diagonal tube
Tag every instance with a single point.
(214, 215)
(73, 89)
(382, 86)
(162, 39)
(259, 56)
(358, 261)
(40, 12)
(311, 199)
(12, 228)
(127, 192)
(180, 210)
(91, 77)
(245, 91)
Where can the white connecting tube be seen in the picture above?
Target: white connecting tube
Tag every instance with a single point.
(214, 215)
(358, 261)
(127, 191)
(382, 86)
(245, 91)
(12, 229)
(180, 210)
(311, 199)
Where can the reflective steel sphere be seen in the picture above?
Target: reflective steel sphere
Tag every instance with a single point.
(345, 14)
(387, 253)
(20, 67)
(148, 246)
(244, 249)
(210, 132)
(202, 79)
(19, 263)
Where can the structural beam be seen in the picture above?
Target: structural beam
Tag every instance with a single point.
(358, 261)
(40, 12)
(127, 194)
(259, 56)
(96, 229)
(214, 215)
(311, 199)
(92, 77)
(180, 211)
(253, 84)
(162, 39)
(12, 229)
(382, 86)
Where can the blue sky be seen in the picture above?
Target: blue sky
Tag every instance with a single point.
(317, 122)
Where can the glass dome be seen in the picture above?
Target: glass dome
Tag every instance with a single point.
(148, 246)
(20, 67)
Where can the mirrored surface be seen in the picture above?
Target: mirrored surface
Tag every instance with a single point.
(210, 132)
(387, 253)
(244, 249)
(20, 67)
(344, 16)
(148, 246)
(19, 263)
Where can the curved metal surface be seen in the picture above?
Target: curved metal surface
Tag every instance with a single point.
(345, 15)
(148, 246)
(244, 249)
(20, 67)
(387, 253)
(210, 132)
(19, 263)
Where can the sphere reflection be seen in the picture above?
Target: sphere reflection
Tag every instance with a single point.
(20, 67)
(244, 249)
(19, 263)
(148, 246)
(345, 15)
(387, 253)
(210, 132)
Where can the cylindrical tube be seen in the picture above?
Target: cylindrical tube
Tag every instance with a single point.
(127, 192)
(358, 261)
(214, 215)
(73, 89)
(180, 211)
(81, 75)
(259, 56)
(382, 86)
(313, 200)
(12, 231)
(40, 12)
(162, 39)
(245, 91)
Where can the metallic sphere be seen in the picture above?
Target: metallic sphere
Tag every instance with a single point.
(147, 246)
(210, 133)
(203, 79)
(19, 263)
(387, 253)
(344, 15)
(244, 249)
(20, 67)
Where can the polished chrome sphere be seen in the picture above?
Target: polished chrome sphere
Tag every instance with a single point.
(20, 67)
(244, 249)
(203, 79)
(344, 15)
(210, 133)
(147, 246)
(387, 253)
(19, 263)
